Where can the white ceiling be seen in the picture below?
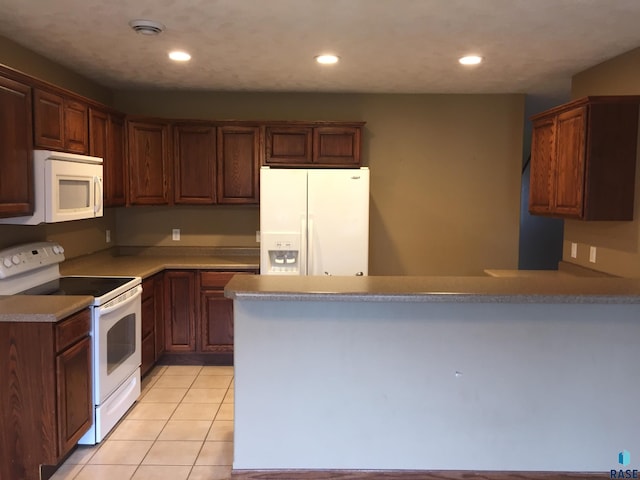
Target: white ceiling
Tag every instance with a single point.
(391, 46)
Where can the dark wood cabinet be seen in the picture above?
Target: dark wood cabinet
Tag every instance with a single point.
(216, 313)
(583, 158)
(287, 145)
(194, 160)
(319, 144)
(337, 146)
(149, 163)
(106, 140)
(16, 145)
(75, 406)
(60, 123)
(181, 309)
(203, 331)
(76, 127)
(238, 164)
(46, 402)
(152, 321)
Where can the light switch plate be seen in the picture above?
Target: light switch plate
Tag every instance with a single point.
(175, 234)
(592, 254)
(108, 236)
(258, 236)
(574, 250)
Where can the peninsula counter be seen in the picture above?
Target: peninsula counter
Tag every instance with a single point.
(406, 374)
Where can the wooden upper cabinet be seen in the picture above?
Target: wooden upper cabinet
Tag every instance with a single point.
(194, 161)
(583, 157)
(60, 123)
(238, 164)
(106, 140)
(76, 127)
(285, 145)
(543, 149)
(149, 163)
(570, 162)
(16, 145)
(48, 113)
(115, 178)
(338, 146)
(309, 144)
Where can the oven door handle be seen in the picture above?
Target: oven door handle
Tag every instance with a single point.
(131, 296)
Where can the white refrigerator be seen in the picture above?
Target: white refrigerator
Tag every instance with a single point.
(314, 221)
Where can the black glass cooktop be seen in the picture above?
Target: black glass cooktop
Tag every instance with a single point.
(95, 286)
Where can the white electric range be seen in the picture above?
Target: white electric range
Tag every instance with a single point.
(33, 269)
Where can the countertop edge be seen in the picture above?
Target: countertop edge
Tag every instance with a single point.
(435, 298)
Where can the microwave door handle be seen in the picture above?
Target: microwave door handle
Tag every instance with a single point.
(98, 187)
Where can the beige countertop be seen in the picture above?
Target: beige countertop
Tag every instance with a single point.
(136, 262)
(480, 289)
(40, 308)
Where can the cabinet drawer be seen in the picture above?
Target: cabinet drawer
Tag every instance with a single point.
(217, 279)
(73, 329)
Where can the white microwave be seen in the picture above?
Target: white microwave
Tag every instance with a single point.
(66, 187)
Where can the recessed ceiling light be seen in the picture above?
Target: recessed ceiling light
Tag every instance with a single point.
(179, 56)
(327, 59)
(470, 60)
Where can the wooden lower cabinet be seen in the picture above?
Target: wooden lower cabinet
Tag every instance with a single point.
(152, 321)
(46, 401)
(198, 318)
(180, 311)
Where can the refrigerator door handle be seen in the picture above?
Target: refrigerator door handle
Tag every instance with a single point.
(304, 253)
(310, 252)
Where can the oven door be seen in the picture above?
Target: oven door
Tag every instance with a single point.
(117, 342)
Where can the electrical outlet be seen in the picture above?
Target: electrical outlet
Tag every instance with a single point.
(258, 236)
(592, 254)
(574, 250)
(108, 236)
(175, 234)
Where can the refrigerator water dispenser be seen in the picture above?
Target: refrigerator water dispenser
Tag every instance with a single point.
(283, 253)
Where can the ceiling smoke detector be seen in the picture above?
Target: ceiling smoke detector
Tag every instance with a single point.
(146, 27)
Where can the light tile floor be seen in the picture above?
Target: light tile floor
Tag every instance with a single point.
(180, 429)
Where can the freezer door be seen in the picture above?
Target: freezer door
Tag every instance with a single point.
(283, 214)
(338, 224)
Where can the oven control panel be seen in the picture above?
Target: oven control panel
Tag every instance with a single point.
(28, 257)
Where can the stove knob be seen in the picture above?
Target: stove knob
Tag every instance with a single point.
(56, 249)
(15, 259)
(61, 249)
(7, 262)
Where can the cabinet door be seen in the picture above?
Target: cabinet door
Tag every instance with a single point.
(76, 127)
(180, 311)
(114, 169)
(149, 172)
(216, 333)
(339, 146)
(16, 145)
(106, 140)
(75, 404)
(570, 162)
(288, 145)
(238, 164)
(158, 295)
(194, 164)
(542, 162)
(48, 118)
(148, 325)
